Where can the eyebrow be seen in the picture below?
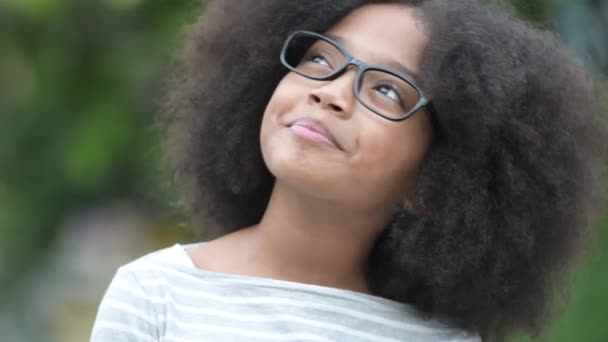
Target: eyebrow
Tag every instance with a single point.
(390, 62)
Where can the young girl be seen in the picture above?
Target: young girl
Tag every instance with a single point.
(369, 171)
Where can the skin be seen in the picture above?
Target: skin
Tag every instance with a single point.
(328, 205)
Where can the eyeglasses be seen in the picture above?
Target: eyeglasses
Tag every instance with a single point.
(385, 92)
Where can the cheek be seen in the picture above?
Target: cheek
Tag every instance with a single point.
(375, 158)
(286, 96)
(387, 161)
(279, 104)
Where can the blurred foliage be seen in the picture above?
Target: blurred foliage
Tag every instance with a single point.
(80, 82)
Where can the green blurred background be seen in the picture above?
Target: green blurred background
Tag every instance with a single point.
(81, 191)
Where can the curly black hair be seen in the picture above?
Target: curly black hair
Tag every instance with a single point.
(510, 187)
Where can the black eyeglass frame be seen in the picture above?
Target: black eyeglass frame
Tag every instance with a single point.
(361, 68)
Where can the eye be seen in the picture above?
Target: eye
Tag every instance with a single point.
(320, 56)
(389, 91)
(319, 60)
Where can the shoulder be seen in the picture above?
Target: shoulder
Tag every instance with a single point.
(132, 304)
(157, 273)
(174, 255)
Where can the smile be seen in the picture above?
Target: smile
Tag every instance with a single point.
(315, 131)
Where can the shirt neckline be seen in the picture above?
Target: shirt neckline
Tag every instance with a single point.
(185, 260)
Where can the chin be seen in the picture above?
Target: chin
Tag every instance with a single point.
(285, 162)
(300, 168)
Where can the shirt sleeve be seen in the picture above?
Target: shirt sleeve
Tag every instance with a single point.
(126, 313)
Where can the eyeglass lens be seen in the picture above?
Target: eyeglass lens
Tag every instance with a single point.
(379, 90)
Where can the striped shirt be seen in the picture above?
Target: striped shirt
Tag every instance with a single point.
(164, 297)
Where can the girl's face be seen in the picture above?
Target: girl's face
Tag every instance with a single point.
(372, 162)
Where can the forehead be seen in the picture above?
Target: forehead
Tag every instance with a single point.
(383, 32)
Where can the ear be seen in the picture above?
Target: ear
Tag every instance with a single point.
(408, 204)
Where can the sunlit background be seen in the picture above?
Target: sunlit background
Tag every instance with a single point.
(81, 191)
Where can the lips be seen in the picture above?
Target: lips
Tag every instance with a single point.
(314, 130)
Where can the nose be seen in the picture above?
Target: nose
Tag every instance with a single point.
(336, 95)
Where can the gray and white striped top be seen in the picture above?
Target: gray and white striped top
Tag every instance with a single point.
(164, 297)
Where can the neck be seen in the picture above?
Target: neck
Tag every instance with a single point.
(304, 239)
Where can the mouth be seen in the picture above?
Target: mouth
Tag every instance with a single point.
(315, 131)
